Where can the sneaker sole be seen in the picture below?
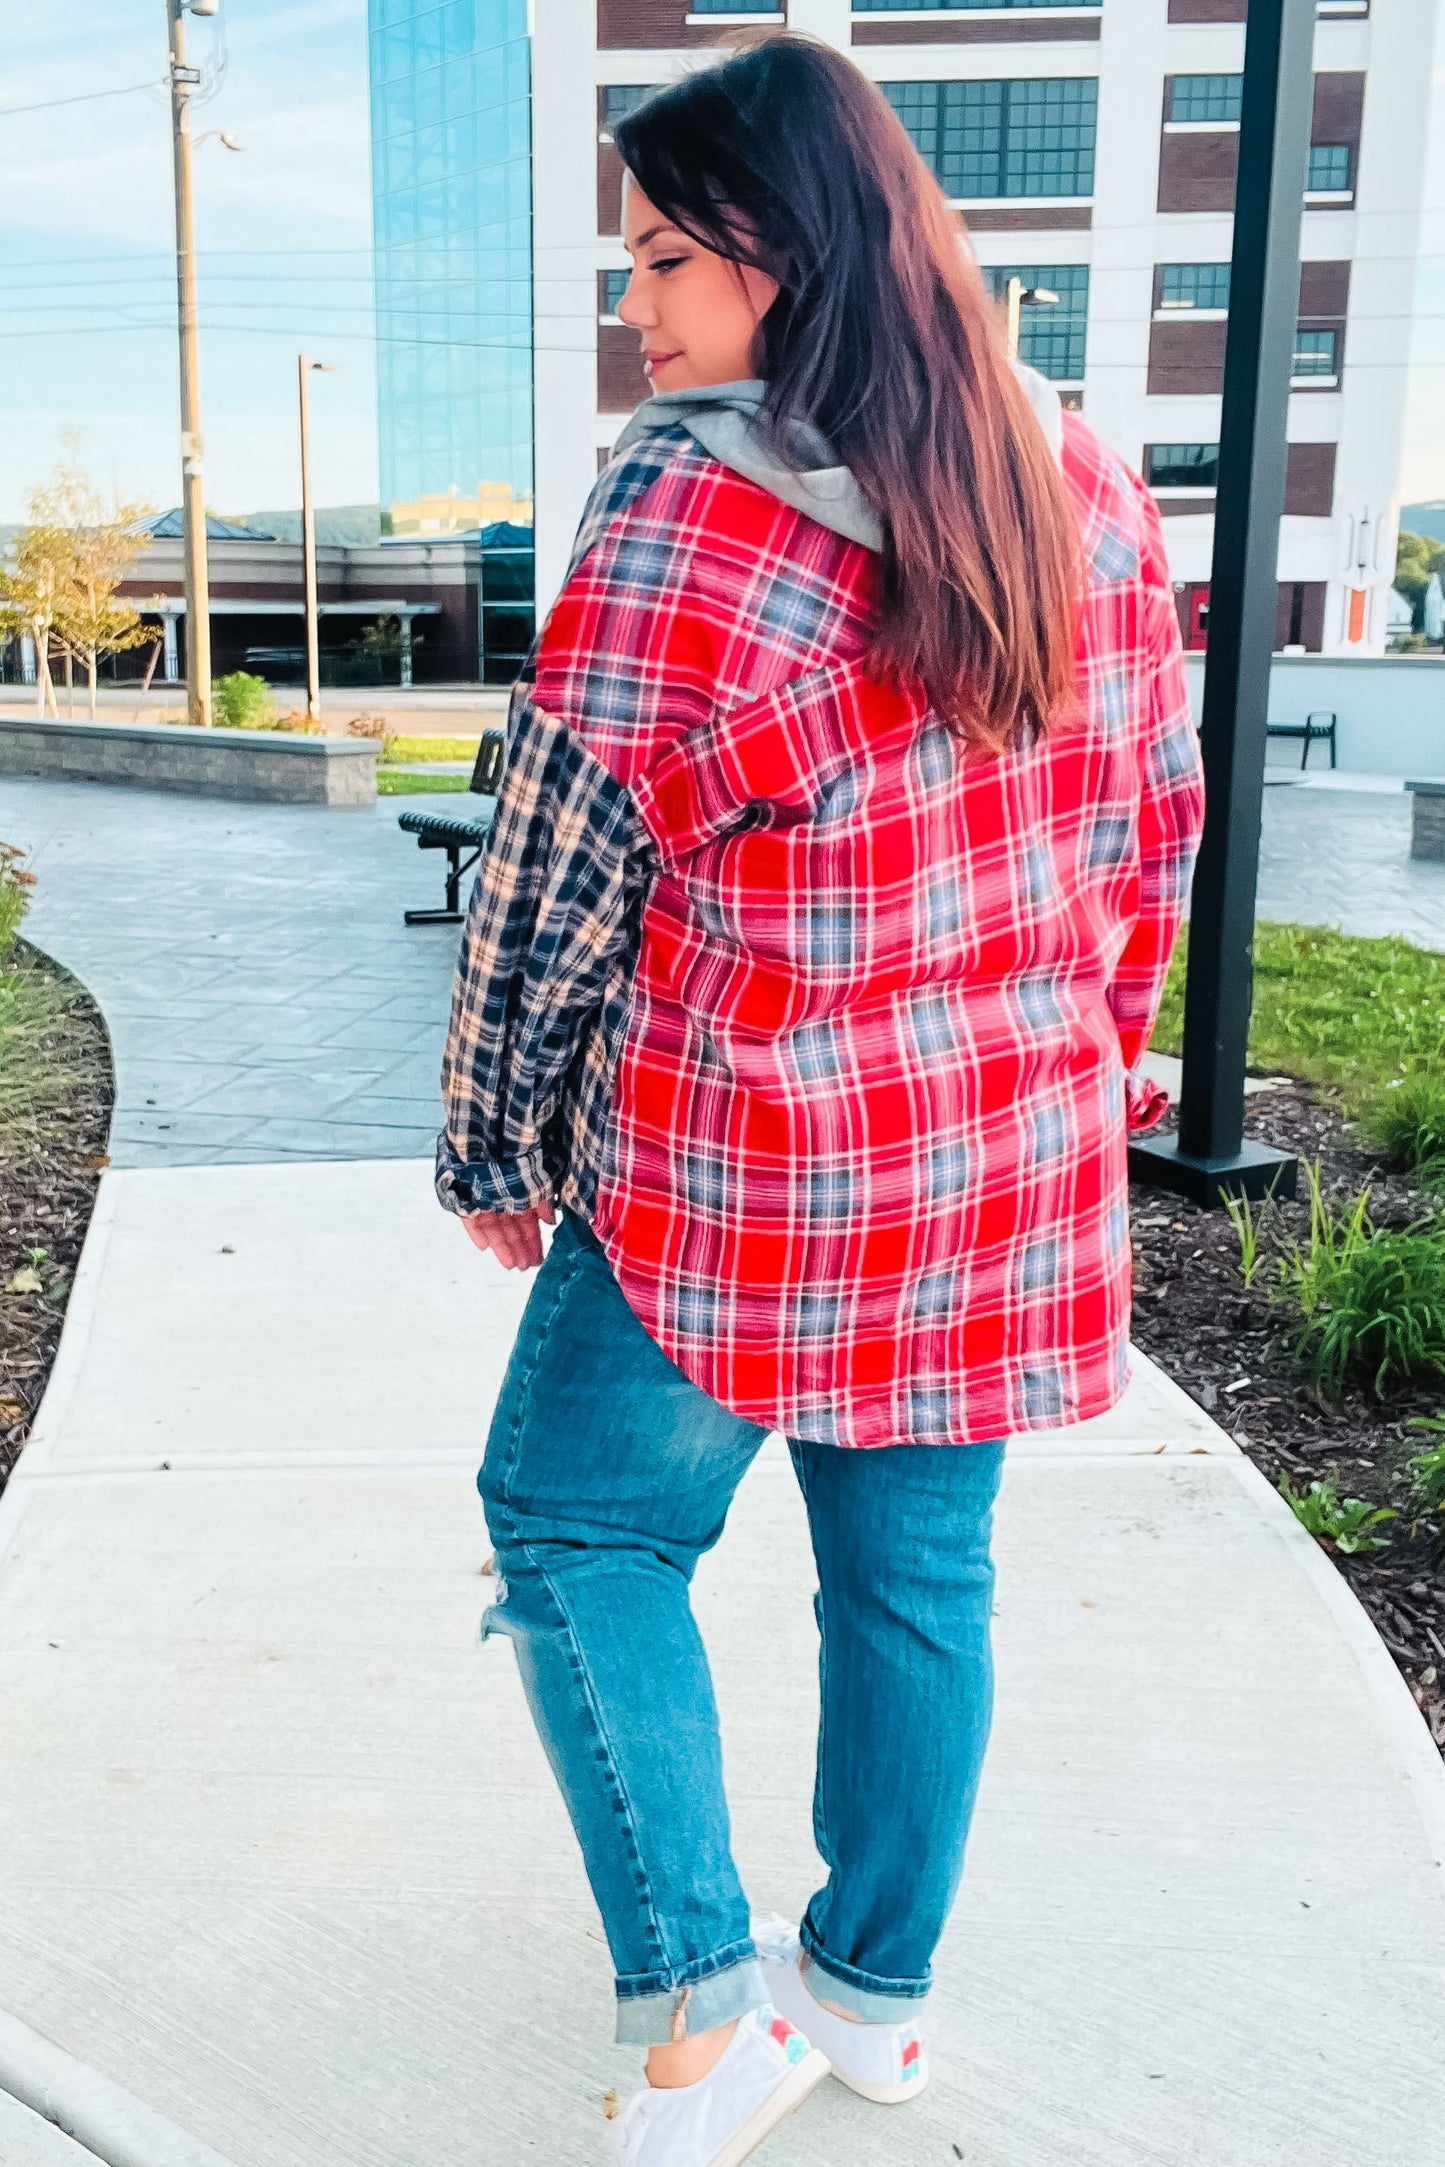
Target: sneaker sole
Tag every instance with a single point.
(805, 2077)
(883, 2095)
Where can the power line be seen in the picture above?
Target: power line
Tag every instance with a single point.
(84, 97)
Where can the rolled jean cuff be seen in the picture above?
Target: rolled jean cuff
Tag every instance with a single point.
(876, 2001)
(731, 1984)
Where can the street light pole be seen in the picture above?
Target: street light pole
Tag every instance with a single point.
(1016, 293)
(304, 366)
(1209, 1154)
(193, 488)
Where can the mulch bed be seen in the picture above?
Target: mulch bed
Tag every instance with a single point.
(1194, 1317)
(52, 1152)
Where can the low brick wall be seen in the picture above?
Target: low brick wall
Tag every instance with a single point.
(1427, 825)
(269, 765)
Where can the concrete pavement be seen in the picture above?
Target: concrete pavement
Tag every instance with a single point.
(281, 1856)
(284, 1859)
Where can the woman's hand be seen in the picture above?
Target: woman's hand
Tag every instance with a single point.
(513, 1237)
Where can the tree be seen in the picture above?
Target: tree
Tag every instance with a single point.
(32, 586)
(1416, 557)
(105, 543)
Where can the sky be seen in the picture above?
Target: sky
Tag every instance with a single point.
(283, 227)
(87, 336)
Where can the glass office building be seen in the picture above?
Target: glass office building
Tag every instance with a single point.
(452, 211)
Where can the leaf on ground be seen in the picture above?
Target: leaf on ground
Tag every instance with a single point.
(25, 1282)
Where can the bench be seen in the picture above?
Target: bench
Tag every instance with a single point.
(1427, 824)
(461, 835)
(1319, 725)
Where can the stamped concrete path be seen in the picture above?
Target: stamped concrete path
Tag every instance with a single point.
(283, 1858)
(284, 1881)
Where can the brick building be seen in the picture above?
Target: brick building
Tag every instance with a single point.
(1089, 147)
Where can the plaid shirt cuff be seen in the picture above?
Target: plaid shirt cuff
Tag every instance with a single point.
(1146, 1102)
(471, 1185)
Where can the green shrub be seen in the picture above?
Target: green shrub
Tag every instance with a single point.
(1343, 1523)
(243, 702)
(15, 887)
(1408, 1120)
(1366, 1299)
(1427, 1479)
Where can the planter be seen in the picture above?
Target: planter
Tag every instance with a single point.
(270, 766)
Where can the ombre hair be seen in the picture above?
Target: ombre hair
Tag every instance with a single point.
(885, 338)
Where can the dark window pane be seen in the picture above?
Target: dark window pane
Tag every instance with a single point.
(1314, 353)
(1024, 138)
(1181, 466)
(1329, 166)
(1194, 285)
(1204, 97)
(620, 99)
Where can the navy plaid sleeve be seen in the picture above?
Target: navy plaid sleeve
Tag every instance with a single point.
(553, 910)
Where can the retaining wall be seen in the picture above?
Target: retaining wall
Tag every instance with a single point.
(269, 765)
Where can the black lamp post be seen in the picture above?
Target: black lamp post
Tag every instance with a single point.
(1209, 1155)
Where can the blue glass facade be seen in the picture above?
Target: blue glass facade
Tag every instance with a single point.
(452, 211)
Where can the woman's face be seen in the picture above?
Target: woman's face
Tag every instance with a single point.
(697, 313)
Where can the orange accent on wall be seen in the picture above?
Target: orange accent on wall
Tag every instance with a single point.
(1356, 630)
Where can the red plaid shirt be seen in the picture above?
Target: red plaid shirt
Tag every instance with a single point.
(825, 1026)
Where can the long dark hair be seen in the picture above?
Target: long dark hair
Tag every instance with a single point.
(885, 337)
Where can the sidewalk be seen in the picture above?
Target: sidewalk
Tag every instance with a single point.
(283, 1857)
(265, 1000)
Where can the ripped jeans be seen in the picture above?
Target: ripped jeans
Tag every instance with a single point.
(607, 1475)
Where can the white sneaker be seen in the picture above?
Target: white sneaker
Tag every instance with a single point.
(882, 2062)
(766, 2069)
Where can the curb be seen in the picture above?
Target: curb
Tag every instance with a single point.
(97, 2113)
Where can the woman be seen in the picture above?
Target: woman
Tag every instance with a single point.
(847, 821)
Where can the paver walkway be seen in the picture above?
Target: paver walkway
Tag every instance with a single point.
(1332, 855)
(266, 1001)
(264, 998)
(283, 1856)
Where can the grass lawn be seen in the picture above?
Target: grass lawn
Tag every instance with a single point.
(390, 784)
(433, 748)
(1333, 1009)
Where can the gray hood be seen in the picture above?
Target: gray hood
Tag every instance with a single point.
(723, 419)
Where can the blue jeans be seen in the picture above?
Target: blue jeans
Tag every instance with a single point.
(607, 1475)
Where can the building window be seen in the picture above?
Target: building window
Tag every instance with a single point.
(620, 99)
(1316, 353)
(1031, 138)
(614, 286)
(913, 7)
(1052, 335)
(1181, 466)
(1329, 167)
(1193, 285)
(1211, 98)
(734, 7)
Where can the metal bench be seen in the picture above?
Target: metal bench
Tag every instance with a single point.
(1318, 726)
(461, 835)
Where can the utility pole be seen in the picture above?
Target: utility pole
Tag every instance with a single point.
(308, 537)
(193, 488)
(1211, 1157)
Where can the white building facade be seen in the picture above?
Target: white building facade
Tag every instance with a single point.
(1091, 149)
